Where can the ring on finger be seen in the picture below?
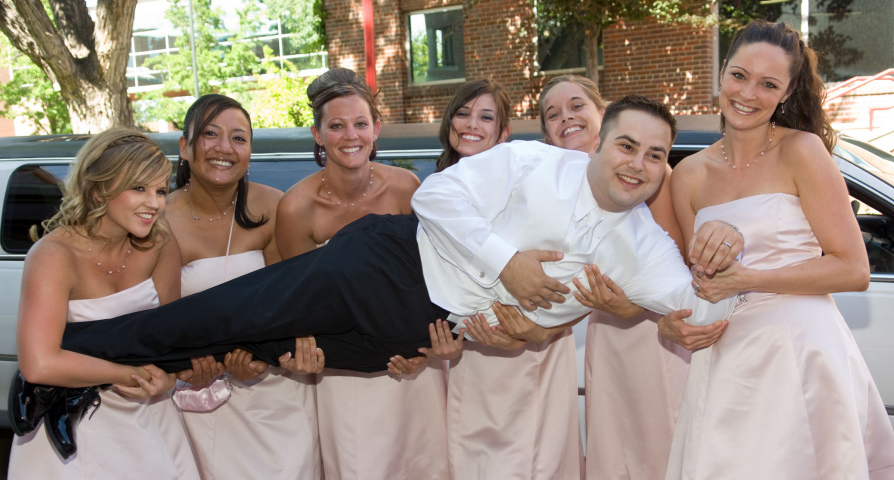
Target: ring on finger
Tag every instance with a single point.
(727, 244)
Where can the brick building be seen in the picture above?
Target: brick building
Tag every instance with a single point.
(497, 39)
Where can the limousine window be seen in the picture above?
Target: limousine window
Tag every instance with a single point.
(33, 196)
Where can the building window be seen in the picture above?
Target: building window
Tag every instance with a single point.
(436, 45)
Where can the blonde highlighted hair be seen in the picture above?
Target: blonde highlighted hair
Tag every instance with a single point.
(111, 162)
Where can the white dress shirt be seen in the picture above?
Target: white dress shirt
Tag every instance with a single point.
(523, 195)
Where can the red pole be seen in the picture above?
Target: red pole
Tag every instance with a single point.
(369, 43)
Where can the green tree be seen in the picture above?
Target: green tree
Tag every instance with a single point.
(279, 98)
(419, 50)
(85, 58)
(228, 61)
(31, 95)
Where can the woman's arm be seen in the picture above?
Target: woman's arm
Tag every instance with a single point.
(166, 274)
(662, 208)
(844, 265)
(48, 278)
(266, 199)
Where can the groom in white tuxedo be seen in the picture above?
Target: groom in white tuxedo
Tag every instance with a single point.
(371, 292)
(481, 220)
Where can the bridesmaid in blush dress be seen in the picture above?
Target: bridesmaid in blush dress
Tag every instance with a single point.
(224, 226)
(784, 393)
(511, 405)
(104, 254)
(372, 426)
(634, 378)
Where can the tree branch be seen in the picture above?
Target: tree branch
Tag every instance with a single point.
(113, 31)
(32, 32)
(14, 28)
(75, 27)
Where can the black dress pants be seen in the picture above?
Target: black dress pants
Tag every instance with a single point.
(362, 296)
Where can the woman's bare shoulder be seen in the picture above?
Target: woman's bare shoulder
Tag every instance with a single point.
(398, 177)
(694, 166)
(57, 251)
(299, 199)
(264, 196)
(797, 147)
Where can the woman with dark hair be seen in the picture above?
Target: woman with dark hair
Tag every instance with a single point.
(224, 225)
(785, 392)
(476, 119)
(383, 425)
(504, 389)
(104, 254)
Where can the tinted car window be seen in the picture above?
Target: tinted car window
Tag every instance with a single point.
(33, 196)
(878, 232)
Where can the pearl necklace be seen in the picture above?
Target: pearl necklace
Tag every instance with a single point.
(210, 218)
(109, 269)
(328, 190)
(747, 163)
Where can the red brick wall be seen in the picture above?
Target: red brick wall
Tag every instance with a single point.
(672, 63)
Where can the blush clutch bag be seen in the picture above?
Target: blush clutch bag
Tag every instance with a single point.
(206, 399)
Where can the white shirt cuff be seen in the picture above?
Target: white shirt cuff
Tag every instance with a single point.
(493, 256)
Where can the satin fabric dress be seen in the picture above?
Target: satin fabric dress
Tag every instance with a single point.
(268, 427)
(377, 427)
(785, 393)
(634, 382)
(514, 415)
(122, 439)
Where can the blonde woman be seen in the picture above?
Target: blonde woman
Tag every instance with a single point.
(104, 254)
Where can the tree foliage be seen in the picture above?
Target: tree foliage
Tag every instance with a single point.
(228, 62)
(86, 57)
(30, 95)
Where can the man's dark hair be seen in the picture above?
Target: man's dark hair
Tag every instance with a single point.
(639, 103)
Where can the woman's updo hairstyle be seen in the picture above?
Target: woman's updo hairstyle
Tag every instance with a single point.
(202, 112)
(335, 83)
(803, 109)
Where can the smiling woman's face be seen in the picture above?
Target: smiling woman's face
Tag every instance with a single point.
(753, 83)
(475, 126)
(572, 120)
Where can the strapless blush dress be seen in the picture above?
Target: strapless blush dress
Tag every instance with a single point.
(123, 439)
(515, 414)
(268, 427)
(785, 392)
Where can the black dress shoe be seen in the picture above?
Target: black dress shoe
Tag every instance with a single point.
(64, 415)
(28, 403)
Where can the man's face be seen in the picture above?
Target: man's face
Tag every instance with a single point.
(629, 165)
